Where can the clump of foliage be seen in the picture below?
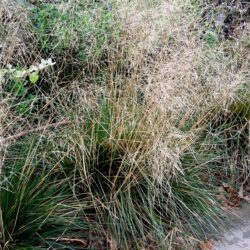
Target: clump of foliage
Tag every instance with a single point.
(36, 207)
(115, 156)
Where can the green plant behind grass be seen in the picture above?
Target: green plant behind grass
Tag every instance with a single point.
(84, 28)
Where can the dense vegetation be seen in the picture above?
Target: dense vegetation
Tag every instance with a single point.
(120, 121)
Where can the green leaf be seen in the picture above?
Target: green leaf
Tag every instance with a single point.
(18, 89)
(211, 38)
(33, 77)
(23, 107)
(32, 98)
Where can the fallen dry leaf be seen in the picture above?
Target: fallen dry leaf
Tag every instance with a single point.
(229, 196)
(207, 245)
